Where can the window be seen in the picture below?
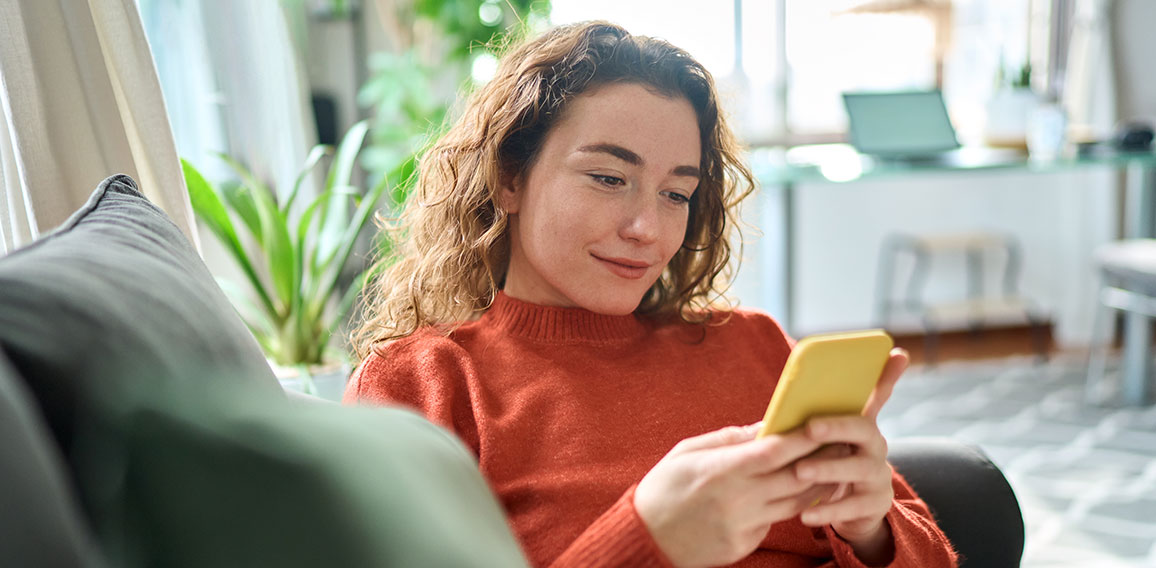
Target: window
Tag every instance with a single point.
(825, 47)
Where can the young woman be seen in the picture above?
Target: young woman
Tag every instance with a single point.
(556, 303)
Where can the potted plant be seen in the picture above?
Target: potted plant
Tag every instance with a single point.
(1010, 107)
(293, 260)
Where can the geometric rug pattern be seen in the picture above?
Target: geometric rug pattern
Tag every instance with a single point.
(1084, 475)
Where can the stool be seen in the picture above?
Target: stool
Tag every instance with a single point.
(977, 308)
(1128, 275)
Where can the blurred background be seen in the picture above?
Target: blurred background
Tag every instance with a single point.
(263, 80)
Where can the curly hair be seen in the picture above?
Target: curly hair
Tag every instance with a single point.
(452, 240)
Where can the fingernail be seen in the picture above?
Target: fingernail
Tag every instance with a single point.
(818, 428)
(810, 517)
(805, 472)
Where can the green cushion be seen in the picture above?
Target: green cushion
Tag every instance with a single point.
(230, 478)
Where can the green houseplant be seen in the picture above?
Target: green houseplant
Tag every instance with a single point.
(291, 296)
(413, 85)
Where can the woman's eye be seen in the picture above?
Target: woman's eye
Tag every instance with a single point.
(607, 180)
(677, 198)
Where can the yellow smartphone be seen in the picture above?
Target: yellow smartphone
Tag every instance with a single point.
(827, 374)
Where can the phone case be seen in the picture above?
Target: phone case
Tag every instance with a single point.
(827, 374)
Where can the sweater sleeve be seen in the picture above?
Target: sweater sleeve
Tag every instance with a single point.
(918, 541)
(617, 538)
(430, 374)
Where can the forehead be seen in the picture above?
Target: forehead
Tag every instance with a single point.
(654, 125)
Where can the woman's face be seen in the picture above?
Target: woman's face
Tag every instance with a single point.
(604, 207)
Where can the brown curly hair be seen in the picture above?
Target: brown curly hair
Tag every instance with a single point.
(453, 246)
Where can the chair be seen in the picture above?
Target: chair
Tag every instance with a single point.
(969, 497)
(1128, 284)
(978, 308)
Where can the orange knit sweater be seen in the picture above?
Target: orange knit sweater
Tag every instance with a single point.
(566, 410)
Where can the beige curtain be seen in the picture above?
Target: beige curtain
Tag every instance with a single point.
(81, 101)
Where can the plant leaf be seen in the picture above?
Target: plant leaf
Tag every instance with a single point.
(335, 213)
(308, 284)
(209, 208)
(247, 176)
(343, 307)
(252, 314)
(273, 237)
(283, 267)
(349, 239)
(315, 156)
(240, 199)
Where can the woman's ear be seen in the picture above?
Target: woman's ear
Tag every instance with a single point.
(510, 194)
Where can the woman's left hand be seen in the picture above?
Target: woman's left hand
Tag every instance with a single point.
(857, 510)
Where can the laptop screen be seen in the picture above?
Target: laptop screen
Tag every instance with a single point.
(899, 124)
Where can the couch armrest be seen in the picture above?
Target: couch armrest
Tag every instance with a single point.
(969, 496)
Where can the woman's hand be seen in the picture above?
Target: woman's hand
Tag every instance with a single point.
(712, 499)
(856, 512)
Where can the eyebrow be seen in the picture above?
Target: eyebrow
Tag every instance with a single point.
(634, 159)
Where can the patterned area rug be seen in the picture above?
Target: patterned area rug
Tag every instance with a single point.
(1085, 476)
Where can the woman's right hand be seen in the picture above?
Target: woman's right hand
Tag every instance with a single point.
(712, 498)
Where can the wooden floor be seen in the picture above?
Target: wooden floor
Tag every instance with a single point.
(983, 344)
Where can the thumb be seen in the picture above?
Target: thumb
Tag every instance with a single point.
(887, 379)
(728, 436)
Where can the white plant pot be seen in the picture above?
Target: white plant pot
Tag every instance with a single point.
(1009, 113)
(324, 381)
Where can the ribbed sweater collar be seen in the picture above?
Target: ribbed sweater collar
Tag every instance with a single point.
(560, 325)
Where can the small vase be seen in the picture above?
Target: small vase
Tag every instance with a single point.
(1046, 132)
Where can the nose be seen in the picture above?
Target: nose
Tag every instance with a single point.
(641, 223)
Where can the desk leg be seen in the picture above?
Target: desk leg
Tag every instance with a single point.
(1136, 363)
(1138, 201)
(788, 316)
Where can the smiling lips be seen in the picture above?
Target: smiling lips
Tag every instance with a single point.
(624, 267)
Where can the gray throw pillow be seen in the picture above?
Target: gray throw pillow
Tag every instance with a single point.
(116, 300)
(40, 524)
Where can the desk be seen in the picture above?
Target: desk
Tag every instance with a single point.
(839, 163)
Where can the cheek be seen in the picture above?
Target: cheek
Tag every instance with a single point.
(675, 234)
(553, 226)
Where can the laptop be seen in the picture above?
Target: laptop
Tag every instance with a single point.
(901, 126)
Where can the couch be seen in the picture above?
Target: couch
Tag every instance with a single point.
(141, 426)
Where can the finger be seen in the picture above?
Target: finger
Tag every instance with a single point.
(770, 453)
(837, 450)
(854, 508)
(728, 436)
(858, 470)
(777, 486)
(859, 431)
(894, 368)
(791, 506)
